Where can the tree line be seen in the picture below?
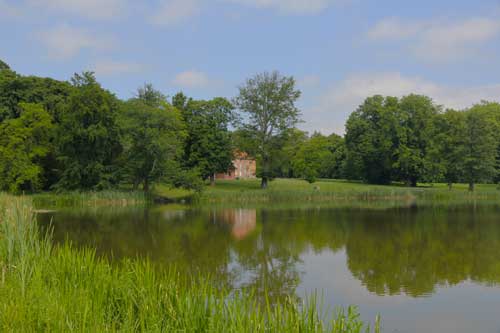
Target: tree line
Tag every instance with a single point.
(76, 135)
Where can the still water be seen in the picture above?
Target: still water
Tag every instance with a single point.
(421, 269)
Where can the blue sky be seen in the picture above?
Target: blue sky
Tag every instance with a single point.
(340, 51)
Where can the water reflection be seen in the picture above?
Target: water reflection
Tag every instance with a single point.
(242, 221)
(389, 252)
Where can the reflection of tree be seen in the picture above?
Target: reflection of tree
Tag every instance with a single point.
(185, 240)
(390, 251)
(409, 252)
(271, 257)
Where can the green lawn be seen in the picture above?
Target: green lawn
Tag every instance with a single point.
(294, 190)
(279, 191)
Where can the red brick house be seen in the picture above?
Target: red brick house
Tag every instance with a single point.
(244, 167)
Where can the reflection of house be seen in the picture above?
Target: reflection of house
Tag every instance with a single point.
(242, 221)
(244, 167)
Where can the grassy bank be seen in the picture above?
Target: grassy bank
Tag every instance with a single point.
(280, 191)
(89, 199)
(60, 289)
(293, 190)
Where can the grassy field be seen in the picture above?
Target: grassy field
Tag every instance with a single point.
(280, 191)
(61, 289)
(293, 190)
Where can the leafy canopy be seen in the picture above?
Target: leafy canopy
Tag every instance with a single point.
(24, 141)
(267, 105)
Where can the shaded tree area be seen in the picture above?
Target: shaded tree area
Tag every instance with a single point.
(88, 137)
(76, 135)
(208, 146)
(152, 136)
(64, 136)
(24, 143)
(412, 140)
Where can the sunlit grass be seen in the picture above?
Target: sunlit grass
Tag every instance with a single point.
(294, 190)
(61, 289)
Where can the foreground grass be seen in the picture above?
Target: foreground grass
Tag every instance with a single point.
(299, 191)
(61, 289)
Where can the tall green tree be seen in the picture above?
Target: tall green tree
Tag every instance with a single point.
(88, 139)
(24, 142)
(267, 103)
(371, 139)
(152, 139)
(335, 168)
(450, 138)
(415, 140)
(481, 148)
(492, 111)
(313, 158)
(208, 146)
(283, 161)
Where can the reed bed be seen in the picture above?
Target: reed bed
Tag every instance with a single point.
(62, 289)
(90, 199)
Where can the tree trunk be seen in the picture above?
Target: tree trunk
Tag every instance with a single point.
(212, 180)
(145, 187)
(263, 184)
(413, 182)
(471, 186)
(136, 184)
(265, 174)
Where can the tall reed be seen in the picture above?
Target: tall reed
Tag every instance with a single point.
(61, 289)
(90, 199)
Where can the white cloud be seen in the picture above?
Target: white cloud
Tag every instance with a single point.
(343, 98)
(289, 6)
(395, 29)
(64, 42)
(191, 79)
(108, 67)
(173, 12)
(93, 9)
(438, 40)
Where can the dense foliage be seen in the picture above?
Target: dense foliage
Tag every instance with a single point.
(76, 135)
(208, 144)
(412, 140)
(153, 132)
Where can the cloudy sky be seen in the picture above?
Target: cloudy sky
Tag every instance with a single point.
(340, 51)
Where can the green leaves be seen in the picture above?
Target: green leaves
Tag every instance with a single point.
(319, 156)
(152, 137)
(390, 140)
(24, 141)
(267, 105)
(208, 146)
(88, 137)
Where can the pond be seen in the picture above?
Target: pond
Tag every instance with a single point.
(423, 269)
